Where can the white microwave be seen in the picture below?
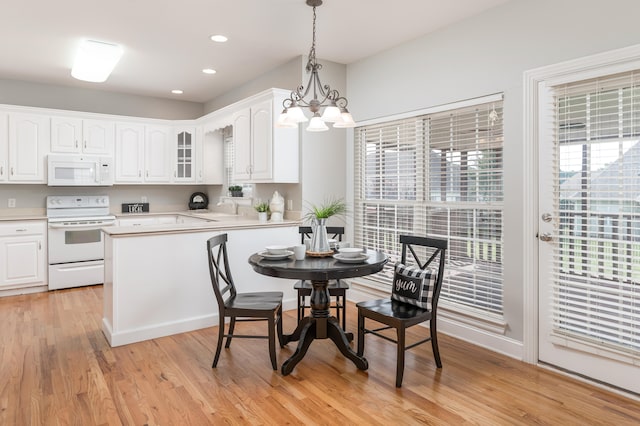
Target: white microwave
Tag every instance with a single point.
(79, 170)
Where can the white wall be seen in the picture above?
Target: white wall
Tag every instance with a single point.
(283, 77)
(160, 197)
(15, 92)
(488, 54)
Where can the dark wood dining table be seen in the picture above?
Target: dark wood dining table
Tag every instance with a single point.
(319, 324)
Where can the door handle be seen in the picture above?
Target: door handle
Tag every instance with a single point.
(545, 237)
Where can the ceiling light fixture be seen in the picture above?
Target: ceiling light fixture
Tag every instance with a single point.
(209, 71)
(335, 106)
(177, 92)
(95, 60)
(219, 38)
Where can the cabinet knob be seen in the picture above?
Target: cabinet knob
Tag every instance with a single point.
(12, 171)
(147, 173)
(85, 144)
(76, 144)
(1, 170)
(139, 173)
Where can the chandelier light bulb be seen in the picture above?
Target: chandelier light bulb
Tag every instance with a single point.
(331, 114)
(317, 124)
(346, 120)
(284, 121)
(296, 115)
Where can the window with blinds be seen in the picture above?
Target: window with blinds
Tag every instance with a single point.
(596, 270)
(438, 175)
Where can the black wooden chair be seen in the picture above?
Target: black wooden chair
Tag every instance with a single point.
(406, 307)
(337, 288)
(261, 306)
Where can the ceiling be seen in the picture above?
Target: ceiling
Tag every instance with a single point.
(166, 42)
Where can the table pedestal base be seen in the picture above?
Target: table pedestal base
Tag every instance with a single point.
(320, 326)
(311, 328)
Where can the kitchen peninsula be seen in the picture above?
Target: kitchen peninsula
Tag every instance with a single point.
(157, 279)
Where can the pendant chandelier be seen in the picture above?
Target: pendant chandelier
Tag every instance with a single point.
(322, 96)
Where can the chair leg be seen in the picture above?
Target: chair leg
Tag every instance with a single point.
(434, 342)
(360, 333)
(301, 304)
(232, 326)
(272, 342)
(344, 312)
(219, 345)
(279, 327)
(400, 362)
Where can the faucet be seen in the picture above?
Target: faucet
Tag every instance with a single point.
(228, 204)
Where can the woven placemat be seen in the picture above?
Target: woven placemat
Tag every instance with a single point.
(320, 253)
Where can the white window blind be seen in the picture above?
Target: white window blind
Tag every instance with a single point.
(438, 175)
(596, 270)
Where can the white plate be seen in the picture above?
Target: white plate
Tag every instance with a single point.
(357, 259)
(269, 256)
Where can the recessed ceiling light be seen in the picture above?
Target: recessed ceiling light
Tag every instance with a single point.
(219, 38)
(95, 60)
(209, 71)
(177, 92)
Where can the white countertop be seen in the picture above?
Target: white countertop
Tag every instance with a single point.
(210, 221)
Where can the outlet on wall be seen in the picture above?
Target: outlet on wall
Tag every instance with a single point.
(144, 199)
(12, 202)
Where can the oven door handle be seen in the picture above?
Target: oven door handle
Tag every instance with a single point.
(82, 225)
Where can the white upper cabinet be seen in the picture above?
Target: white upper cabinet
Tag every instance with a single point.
(76, 135)
(129, 152)
(158, 154)
(143, 153)
(263, 153)
(29, 137)
(242, 158)
(4, 146)
(185, 154)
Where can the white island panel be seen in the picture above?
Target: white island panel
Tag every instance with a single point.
(159, 284)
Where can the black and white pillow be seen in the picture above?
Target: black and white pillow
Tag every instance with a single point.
(413, 285)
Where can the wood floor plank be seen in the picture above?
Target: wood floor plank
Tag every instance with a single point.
(57, 368)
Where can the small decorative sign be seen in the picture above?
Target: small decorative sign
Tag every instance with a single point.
(135, 208)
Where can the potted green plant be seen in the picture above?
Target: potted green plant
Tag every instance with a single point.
(235, 190)
(318, 216)
(263, 210)
(327, 209)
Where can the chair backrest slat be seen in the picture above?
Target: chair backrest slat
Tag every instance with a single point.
(221, 278)
(336, 232)
(438, 247)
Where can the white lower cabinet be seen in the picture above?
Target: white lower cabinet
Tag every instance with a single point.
(23, 254)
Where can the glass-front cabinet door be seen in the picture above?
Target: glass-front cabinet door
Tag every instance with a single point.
(185, 150)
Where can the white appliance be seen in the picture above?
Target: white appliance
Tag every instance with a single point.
(75, 240)
(79, 170)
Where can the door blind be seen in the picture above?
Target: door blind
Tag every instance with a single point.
(596, 266)
(438, 175)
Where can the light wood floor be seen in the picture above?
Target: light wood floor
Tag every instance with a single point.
(56, 367)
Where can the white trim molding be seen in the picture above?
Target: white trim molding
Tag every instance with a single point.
(483, 331)
(611, 62)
